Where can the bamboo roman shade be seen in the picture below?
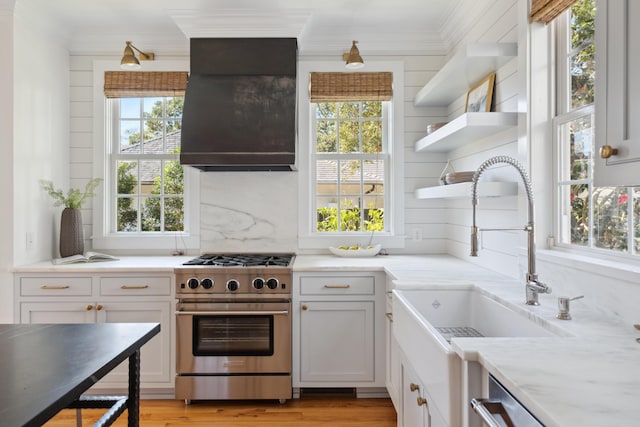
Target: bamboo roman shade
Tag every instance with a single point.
(337, 87)
(547, 10)
(123, 84)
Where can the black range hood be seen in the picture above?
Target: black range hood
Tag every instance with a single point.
(240, 105)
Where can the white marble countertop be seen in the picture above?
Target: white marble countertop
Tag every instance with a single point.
(591, 378)
(565, 382)
(588, 377)
(124, 264)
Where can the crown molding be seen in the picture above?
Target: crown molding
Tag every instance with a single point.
(241, 23)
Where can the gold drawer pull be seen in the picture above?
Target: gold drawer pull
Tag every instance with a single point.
(421, 401)
(54, 287)
(99, 307)
(414, 387)
(89, 307)
(337, 286)
(134, 286)
(389, 316)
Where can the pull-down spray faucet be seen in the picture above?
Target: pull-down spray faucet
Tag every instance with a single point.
(532, 286)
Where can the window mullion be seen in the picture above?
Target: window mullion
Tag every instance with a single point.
(590, 237)
(630, 220)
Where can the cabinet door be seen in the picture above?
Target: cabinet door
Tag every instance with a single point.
(155, 356)
(57, 312)
(394, 365)
(337, 341)
(618, 91)
(415, 409)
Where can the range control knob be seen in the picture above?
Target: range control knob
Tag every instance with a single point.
(272, 283)
(258, 283)
(207, 283)
(193, 283)
(233, 285)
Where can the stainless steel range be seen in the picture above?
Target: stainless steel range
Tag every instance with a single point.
(233, 319)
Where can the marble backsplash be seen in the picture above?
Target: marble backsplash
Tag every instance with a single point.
(249, 212)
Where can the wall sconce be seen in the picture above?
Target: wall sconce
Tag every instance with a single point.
(129, 60)
(353, 58)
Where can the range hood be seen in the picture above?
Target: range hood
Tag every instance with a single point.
(240, 105)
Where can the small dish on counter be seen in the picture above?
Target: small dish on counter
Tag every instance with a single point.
(355, 251)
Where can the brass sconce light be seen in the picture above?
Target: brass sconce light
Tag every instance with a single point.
(129, 60)
(353, 58)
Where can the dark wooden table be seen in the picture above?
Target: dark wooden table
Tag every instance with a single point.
(46, 368)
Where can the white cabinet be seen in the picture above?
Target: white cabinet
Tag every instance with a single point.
(112, 298)
(617, 92)
(394, 365)
(417, 409)
(338, 331)
(336, 341)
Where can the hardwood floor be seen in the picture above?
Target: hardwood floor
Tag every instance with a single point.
(304, 412)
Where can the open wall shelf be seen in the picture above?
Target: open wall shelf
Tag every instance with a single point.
(463, 189)
(465, 129)
(463, 71)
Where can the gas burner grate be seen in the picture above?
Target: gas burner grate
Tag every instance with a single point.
(241, 260)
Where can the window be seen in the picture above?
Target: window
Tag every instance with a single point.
(145, 201)
(350, 158)
(149, 180)
(350, 153)
(598, 218)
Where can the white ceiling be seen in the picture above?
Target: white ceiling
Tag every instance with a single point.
(321, 26)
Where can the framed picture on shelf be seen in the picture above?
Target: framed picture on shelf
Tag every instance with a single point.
(479, 97)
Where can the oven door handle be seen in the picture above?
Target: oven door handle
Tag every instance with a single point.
(232, 313)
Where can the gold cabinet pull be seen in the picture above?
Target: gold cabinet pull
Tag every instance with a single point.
(134, 286)
(414, 387)
(304, 307)
(99, 307)
(54, 287)
(421, 401)
(89, 307)
(337, 286)
(389, 316)
(607, 151)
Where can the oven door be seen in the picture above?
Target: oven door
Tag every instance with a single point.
(233, 337)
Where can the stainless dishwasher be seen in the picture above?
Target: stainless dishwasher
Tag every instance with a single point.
(501, 409)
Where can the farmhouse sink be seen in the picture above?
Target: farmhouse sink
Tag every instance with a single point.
(424, 321)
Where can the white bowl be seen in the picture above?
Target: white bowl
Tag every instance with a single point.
(361, 252)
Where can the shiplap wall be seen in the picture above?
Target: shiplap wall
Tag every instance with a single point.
(495, 21)
(424, 221)
(432, 226)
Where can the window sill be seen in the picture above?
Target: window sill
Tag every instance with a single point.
(323, 242)
(626, 270)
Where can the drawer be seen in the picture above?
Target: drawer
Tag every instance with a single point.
(347, 285)
(55, 286)
(138, 285)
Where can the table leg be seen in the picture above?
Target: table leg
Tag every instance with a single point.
(133, 403)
